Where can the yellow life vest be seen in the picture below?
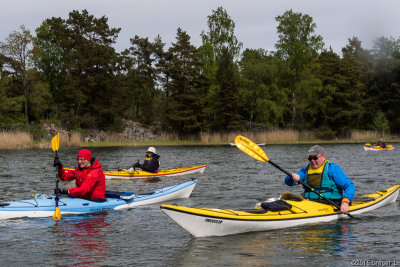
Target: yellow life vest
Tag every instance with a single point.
(315, 175)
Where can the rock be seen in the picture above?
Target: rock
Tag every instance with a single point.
(133, 131)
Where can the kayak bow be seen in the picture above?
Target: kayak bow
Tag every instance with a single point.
(201, 222)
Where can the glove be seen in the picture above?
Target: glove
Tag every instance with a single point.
(61, 191)
(57, 163)
(137, 165)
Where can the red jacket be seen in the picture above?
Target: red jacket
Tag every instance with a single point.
(90, 182)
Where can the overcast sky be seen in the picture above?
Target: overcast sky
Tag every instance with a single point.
(336, 20)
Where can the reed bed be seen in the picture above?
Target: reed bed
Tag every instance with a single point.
(16, 140)
(23, 140)
(365, 136)
(272, 136)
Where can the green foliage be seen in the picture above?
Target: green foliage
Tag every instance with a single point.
(227, 115)
(11, 114)
(298, 47)
(325, 132)
(221, 35)
(80, 63)
(73, 75)
(380, 123)
(186, 86)
(37, 132)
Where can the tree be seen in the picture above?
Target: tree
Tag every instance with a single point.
(143, 76)
(17, 54)
(384, 89)
(259, 93)
(220, 35)
(227, 108)
(380, 123)
(185, 86)
(87, 93)
(11, 114)
(298, 47)
(340, 105)
(219, 38)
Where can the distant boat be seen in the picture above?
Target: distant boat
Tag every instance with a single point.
(259, 144)
(368, 146)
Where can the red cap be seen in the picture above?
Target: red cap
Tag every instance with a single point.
(85, 154)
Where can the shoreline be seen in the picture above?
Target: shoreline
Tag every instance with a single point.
(23, 140)
(192, 143)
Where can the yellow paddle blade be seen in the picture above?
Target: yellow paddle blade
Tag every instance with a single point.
(250, 148)
(55, 142)
(57, 214)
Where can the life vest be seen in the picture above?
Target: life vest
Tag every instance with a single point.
(319, 180)
(148, 160)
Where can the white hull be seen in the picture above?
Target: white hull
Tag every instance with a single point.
(368, 148)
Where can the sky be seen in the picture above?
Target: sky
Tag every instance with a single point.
(336, 20)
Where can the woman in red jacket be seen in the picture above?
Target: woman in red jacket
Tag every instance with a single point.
(89, 178)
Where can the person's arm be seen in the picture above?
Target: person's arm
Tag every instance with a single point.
(66, 175)
(301, 173)
(342, 181)
(87, 185)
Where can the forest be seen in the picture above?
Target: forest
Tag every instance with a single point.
(69, 73)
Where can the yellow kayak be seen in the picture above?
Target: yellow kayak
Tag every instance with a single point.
(201, 222)
(377, 148)
(138, 174)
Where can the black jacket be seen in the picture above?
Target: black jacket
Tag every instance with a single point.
(151, 164)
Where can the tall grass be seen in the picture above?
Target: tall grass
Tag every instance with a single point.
(365, 136)
(273, 136)
(15, 140)
(23, 140)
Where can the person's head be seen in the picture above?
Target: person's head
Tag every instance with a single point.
(151, 151)
(316, 156)
(84, 158)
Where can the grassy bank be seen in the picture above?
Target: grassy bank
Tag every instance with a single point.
(23, 140)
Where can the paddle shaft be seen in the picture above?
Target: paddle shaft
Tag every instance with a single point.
(57, 180)
(306, 185)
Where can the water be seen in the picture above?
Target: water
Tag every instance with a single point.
(145, 236)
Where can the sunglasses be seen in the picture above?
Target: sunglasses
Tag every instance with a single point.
(310, 158)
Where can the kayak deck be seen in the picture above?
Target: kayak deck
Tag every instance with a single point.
(137, 174)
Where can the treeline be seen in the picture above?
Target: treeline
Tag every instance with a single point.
(70, 73)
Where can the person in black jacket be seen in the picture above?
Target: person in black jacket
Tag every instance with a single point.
(151, 162)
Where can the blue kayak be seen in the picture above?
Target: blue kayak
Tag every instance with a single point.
(44, 205)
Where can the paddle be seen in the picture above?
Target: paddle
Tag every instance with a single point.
(254, 151)
(55, 142)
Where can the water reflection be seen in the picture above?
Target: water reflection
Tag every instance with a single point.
(82, 239)
(271, 247)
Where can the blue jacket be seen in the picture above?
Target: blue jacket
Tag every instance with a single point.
(336, 174)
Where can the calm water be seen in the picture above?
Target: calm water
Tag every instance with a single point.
(145, 236)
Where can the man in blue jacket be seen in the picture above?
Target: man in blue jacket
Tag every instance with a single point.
(326, 178)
